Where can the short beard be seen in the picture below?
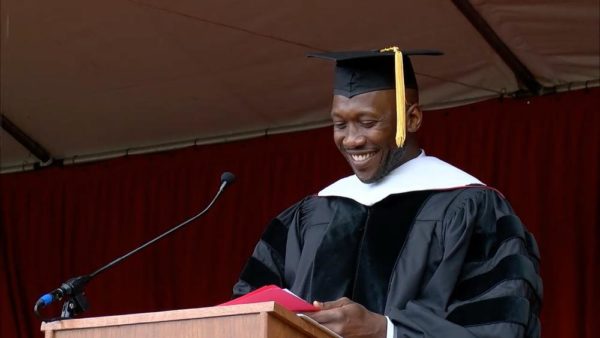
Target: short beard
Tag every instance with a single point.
(392, 161)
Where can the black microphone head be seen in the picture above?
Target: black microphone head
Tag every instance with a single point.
(227, 177)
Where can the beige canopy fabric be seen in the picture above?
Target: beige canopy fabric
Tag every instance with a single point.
(89, 77)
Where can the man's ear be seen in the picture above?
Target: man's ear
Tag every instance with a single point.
(414, 117)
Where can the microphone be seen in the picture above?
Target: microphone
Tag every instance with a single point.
(226, 179)
(74, 286)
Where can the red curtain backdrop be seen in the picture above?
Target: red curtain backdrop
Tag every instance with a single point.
(57, 223)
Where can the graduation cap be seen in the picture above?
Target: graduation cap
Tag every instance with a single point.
(359, 72)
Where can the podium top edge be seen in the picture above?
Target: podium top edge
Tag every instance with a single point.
(162, 316)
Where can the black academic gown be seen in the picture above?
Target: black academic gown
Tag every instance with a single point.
(454, 263)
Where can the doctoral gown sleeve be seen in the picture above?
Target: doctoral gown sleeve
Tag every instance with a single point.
(266, 265)
(481, 273)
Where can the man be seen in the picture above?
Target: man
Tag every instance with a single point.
(409, 246)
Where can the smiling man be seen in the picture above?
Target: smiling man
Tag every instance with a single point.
(364, 129)
(408, 246)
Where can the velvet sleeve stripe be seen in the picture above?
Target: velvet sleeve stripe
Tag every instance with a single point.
(511, 267)
(484, 245)
(510, 309)
(257, 274)
(276, 237)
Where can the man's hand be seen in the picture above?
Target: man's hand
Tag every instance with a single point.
(350, 319)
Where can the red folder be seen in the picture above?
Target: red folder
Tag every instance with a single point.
(273, 293)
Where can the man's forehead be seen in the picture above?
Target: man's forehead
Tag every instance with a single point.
(367, 102)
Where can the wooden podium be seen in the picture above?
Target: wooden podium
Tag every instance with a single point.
(259, 320)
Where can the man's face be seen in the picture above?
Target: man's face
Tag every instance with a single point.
(364, 129)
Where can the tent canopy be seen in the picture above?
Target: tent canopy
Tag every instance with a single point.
(91, 77)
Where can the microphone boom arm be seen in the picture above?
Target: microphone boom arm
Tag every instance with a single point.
(74, 287)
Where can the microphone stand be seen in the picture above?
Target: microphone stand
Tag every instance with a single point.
(74, 288)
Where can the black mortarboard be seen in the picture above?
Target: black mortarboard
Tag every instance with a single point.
(359, 72)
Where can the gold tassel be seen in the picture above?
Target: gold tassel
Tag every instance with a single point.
(400, 95)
